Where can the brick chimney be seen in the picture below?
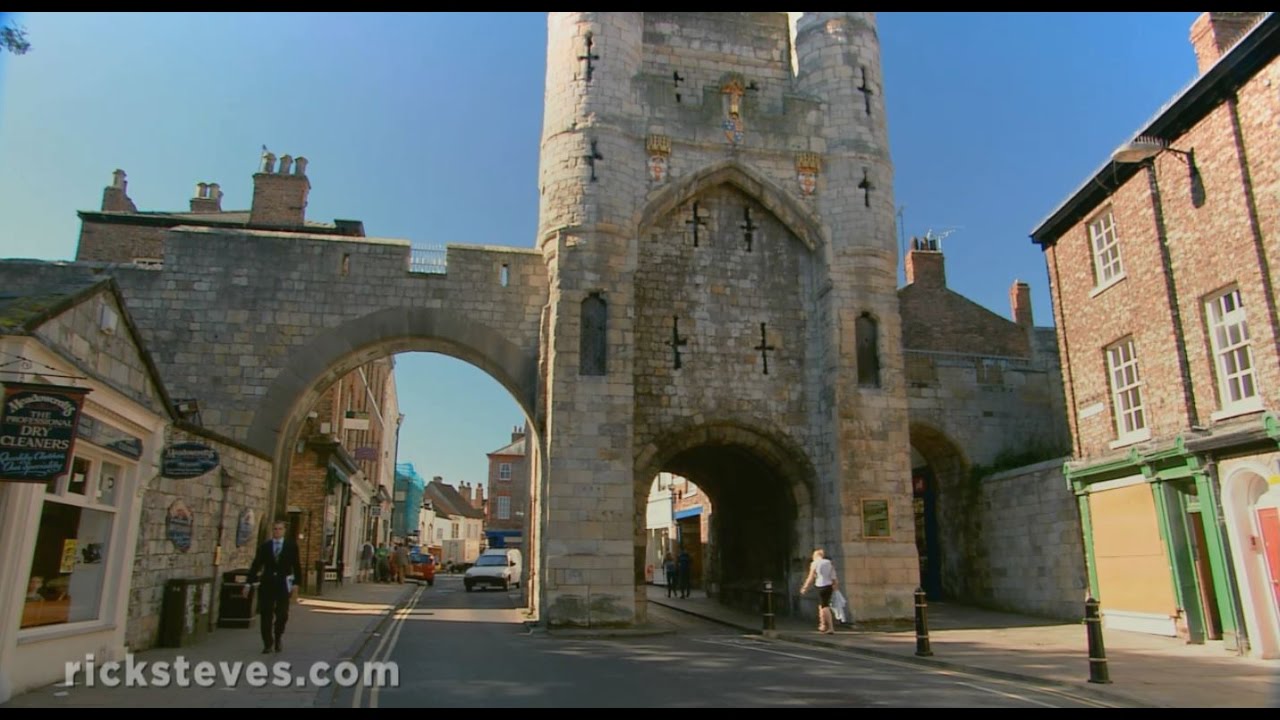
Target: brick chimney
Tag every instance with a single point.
(1214, 33)
(925, 266)
(280, 197)
(115, 197)
(208, 198)
(1020, 300)
(517, 434)
(478, 501)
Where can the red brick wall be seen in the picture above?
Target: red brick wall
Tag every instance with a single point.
(934, 318)
(307, 491)
(1210, 248)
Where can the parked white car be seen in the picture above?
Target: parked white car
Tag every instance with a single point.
(498, 567)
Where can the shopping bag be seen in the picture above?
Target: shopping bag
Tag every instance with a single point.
(840, 607)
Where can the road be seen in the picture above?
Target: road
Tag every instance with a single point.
(460, 649)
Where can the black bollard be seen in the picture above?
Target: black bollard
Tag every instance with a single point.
(768, 605)
(319, 577)
(1097, 653)
(922, 626)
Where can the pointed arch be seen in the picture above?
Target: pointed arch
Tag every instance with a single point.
(789, 211)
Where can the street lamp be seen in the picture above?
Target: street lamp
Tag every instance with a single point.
(1147, 147)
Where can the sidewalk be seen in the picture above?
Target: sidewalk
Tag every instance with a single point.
(330, 628)
(1144, 669)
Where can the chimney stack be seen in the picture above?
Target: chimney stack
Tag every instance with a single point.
(115, 198)
(1020, 300)
(1214, 33)
(280, 198)
(208, 198)
(517, 434)
(478, 502)
(925, 265)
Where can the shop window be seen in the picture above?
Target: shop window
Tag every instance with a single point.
(69, 562)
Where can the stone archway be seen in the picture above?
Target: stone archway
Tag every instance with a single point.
(941, 492)
(317, 365)
(760, 484)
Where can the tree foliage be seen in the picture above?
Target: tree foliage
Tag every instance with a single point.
(14, 39)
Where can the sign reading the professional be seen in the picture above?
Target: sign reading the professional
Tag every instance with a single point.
(179, 522)
(38, 430)
(188, 460)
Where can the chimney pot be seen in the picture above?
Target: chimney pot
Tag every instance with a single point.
(925, 265)
(114, 196)
(286, 162)
(1020, 302)
(202, 190)
(268, 163)
(1214, 33)
(300, 166)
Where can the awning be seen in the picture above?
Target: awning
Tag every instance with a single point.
(689, 512)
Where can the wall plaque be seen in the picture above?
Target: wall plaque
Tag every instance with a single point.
(179, 525)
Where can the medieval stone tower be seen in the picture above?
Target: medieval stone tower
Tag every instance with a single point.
(717, 219)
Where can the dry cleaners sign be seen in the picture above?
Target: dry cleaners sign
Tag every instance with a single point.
(38, 430)
(188, 460)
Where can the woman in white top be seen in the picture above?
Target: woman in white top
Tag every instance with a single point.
(822, 575)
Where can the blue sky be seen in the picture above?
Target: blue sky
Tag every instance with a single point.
(426, 127)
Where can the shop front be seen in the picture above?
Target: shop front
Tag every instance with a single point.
(75, 455)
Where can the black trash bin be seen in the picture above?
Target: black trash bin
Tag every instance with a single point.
(234, 609)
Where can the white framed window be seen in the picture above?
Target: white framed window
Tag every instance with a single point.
(504, 471)
(504, 507)
(1232, 354)
(455, 532)
(1126, 392)
(69, 582)
(1107, 268)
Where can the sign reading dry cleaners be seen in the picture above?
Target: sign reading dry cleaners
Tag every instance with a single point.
(188, 460)
(38, 430)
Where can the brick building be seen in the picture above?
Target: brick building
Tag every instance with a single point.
(341, 474)
(1162, 267)
(507, 512)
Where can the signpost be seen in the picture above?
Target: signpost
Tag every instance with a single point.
(38, 430)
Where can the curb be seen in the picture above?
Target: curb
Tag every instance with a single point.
(930, 662)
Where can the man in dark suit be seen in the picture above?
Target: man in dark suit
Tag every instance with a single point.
(277, 562)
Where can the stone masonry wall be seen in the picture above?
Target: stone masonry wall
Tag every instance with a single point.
(79, 334)
(159, 560)
(1032, 544)
(231, 311)
(722, 293)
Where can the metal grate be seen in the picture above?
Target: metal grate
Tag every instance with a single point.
(430, 259)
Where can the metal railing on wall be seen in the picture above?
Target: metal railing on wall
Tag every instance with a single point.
(430, 259)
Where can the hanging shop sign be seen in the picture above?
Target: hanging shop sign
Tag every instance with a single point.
(187, 460)
(38, 430)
